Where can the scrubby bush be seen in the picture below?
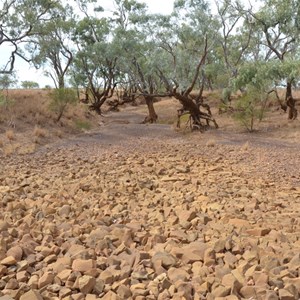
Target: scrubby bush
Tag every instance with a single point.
(250, 108)
(61, 99)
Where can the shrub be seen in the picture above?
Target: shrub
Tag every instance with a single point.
(61, 99)
(83, 125)
(250, 108)
(39, 132)
(10, 135)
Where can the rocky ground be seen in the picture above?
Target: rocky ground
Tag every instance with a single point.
(141, 212)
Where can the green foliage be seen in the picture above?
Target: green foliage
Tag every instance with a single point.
(21, 20)
(29, 85)
(61, 99)
(250, 108)
(226, 94)
(7, 81)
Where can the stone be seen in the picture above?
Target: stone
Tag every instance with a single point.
(239, 277)
(176, 274)
(3, 226)
(248, 292)
(258, 231)
(64, 211)
(12, 284)
(22, 276)
(184, 289)
(54, 288)
(230, 259)
(83, 265)
(167, 260)
(260, 278)
(230, 281)
(285, 295)
(186, 215)
(3, 270)
(209, 257)
(16, 252)
(78, 296)
(110, 295)
(31, 295)
(8, 261)
(64, 292)
(107, 277)
(86, 284)
(46, 279)
(239, 223)
(33, 281)
(63, 275)
(221, 291)
(124, 292)
(271, 295)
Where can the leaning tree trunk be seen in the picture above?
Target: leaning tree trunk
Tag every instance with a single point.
(196, 114)
(290, 102)
(152, 116)
(97, 103)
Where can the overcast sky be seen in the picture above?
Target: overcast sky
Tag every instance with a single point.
(24, 72)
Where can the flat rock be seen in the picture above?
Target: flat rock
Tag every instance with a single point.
(258, 231)
(83, 265)
(167, 260)
(8, 261)
(31, 295)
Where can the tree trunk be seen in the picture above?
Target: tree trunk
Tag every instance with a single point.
(292, 111)
(96, 107)
(61, 82)
(290, 102)
(194, 110)
(152, 116)
(288, 92)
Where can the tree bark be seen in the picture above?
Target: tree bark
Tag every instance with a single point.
(288, 93)
(292, 111)
(152, 116)
(290, 102)
(61, 82)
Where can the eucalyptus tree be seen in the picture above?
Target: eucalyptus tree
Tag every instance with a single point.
(279, 23)
(20, 20)
(132, 26)
(236, 43)
(52, 49)
(184, 41)
(95, 62)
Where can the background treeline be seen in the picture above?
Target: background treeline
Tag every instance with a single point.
(234, 47)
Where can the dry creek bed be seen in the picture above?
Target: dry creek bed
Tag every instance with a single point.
(150, 218)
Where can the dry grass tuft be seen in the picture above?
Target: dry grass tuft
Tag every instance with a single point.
(211, 143)
(10, 148)
(10, 134)
(245, 147)
(27, 149)
(1, 143)
(39, 132)
(58, 133)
